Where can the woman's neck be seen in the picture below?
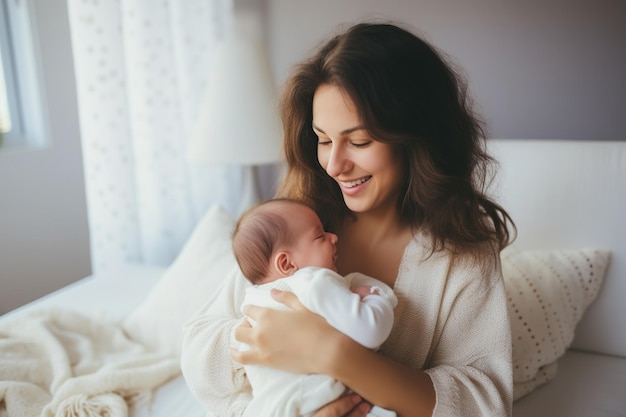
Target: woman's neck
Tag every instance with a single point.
(373, 244)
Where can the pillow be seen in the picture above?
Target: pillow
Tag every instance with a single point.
(203, 263)
(548, 292)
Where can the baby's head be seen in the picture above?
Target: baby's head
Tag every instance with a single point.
(276, 238)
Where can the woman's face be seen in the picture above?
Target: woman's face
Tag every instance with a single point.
(368, 172)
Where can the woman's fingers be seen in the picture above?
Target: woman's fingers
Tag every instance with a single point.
(287, 298)
(253, 311)
(361, 410)
(347, 406)
(243, 332)
(242, 357)
(286, 339)
(261, 348)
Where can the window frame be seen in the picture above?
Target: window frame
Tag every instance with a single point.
(23, 77)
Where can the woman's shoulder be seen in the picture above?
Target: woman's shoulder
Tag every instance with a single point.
(481, 266)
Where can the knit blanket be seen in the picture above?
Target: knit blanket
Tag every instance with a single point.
(62, 363)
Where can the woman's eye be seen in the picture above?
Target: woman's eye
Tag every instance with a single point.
(360, 144)
(322, 139)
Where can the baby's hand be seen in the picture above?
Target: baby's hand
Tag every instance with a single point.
(364, 291)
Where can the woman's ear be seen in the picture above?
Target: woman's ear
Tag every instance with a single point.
(284, 265)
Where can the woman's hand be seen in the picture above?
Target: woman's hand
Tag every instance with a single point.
(297, 340)
(347, 406)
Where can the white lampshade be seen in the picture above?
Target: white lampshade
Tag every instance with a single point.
(238, 122)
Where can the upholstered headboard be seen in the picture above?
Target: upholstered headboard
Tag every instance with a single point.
(569, 195)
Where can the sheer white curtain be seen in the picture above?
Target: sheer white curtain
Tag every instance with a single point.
(141, 67)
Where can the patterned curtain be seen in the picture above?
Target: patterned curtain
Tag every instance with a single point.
(141, 67)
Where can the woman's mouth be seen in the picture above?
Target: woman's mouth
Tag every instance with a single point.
(355, 183)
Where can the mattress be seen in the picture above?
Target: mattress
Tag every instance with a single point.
(116, 294)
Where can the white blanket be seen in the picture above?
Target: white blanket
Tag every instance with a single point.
(57, 362)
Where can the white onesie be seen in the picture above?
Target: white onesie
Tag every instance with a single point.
(368, 321)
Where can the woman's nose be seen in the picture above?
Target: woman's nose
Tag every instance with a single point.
(337, 162)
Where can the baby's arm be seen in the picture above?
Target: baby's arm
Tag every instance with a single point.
(367, 320)
(364, 290)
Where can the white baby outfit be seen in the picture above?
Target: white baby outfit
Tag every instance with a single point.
(368, 321)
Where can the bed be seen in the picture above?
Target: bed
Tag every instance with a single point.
(568, 199)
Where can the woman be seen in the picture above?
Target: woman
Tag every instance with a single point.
(380, 140)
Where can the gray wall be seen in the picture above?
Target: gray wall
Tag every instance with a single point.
(44, 240)
(538, 69)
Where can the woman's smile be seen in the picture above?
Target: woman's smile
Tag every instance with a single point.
(354, 186)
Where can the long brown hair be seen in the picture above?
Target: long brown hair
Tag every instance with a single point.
(406, 95)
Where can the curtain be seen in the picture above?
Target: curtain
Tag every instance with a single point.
(140, 69)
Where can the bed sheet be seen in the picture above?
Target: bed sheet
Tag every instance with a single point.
(115, 294)
(586, 384)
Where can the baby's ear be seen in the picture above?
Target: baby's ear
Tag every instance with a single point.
(283, 264)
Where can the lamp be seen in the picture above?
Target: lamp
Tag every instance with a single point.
(238, 122)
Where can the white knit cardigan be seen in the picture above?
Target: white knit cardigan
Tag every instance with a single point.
(451, 321)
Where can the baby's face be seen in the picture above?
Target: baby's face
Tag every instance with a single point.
(314, 246)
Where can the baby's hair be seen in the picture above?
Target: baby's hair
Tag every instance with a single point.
(258, 232)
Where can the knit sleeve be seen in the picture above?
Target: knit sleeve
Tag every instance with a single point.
(211, 375)
(471, 366)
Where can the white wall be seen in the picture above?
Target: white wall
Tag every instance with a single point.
(43, 222)
(538, 69)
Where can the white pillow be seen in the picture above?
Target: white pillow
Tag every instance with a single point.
(202, 265)
(548, 292)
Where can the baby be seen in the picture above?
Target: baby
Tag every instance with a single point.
(282, 244)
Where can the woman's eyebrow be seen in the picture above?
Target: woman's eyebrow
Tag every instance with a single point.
(344, 132)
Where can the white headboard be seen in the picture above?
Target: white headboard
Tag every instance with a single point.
(571, 195)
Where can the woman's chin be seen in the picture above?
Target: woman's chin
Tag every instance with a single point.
(355, 205)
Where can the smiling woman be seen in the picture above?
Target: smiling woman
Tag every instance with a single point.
(369, 172)
(381, 141)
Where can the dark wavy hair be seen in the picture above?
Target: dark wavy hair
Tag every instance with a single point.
(407, 95)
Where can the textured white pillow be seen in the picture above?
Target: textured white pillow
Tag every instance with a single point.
(202, 265)
(548, 292)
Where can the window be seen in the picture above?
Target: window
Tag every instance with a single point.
(21, 110)
(5, 116)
